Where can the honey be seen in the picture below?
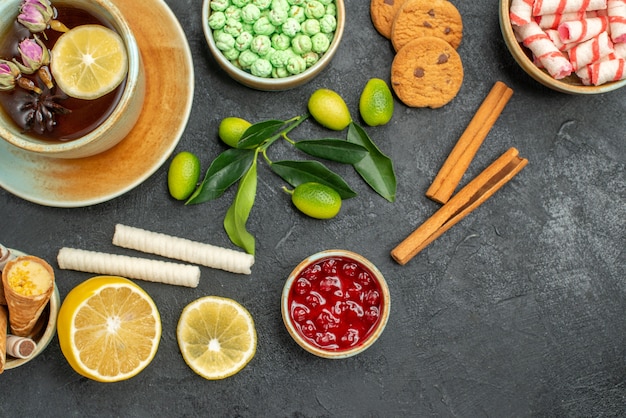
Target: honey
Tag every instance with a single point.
(83, 116)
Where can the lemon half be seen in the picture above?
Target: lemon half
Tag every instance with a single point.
(89, 61)
(216, 337)
(109, 328)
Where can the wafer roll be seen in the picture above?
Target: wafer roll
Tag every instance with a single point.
(28, 283)
(20, 347)
(129, 267)
(183, 249)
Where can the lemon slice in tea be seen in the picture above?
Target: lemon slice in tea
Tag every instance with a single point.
(216, 337)
(109, 328)
(89, 61)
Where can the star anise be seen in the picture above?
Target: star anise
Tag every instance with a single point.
(42, 109)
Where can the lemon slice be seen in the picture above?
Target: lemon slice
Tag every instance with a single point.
(216, 337)
(108, 328)
(89, 61)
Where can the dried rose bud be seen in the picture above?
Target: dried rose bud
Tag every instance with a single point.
(8, 74)
(34, 55)
(35, 14)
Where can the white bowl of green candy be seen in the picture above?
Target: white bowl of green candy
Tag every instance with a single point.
(273, 44)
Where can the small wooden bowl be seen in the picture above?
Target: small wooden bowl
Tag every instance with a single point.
(368, 338)
(571, 84)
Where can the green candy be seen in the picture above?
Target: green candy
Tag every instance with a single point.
(328, 24)
(291, 27)
(314, 9)
(280, 5)
(261, 45)
(217, 20)
(280, 41)
(311, 58)
(310, 27)
(296, 65)
(297, 12)
(240, 3)
(231, 54)
(280, 72)
(223, 40)
(219, 5)
(277, 16)
(233, 12)
(280, 58)
(262, 4)
(261, 68)
(320, 43)
(263, 26)
(247, 58)
(243, 41)
(250, 13)
(233, 27)
(301, 44)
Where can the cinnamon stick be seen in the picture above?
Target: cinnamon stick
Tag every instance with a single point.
(461, 204)
(461, 156)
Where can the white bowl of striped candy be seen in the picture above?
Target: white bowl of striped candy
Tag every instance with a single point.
(565, 48)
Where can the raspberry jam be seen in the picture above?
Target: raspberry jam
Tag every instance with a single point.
(336, 303)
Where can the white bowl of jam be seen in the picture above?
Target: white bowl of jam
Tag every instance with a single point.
(335, 304)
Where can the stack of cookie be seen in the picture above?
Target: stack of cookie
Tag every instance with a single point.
(427, 70)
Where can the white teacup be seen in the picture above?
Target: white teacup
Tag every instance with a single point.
(124, 115)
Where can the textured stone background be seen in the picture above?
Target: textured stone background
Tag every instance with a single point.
(516, 311)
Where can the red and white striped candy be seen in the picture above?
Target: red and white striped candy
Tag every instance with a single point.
(603, 72)
(554, 20)
(616, 10)
(521, 12)
(590, 51)
(544, 50)
(546, 7)
(583, 29)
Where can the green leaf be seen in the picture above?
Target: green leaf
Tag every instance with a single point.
(331, 149)
(376, 168)
(257, 133)
(224, 171)
(238, 213)
(298, 172)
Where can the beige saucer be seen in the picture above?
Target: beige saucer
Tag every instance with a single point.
(169, 95)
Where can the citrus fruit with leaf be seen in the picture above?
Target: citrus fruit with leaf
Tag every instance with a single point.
(183, 175)
(316, 200)
(376, 103)
(329, 109)
(216, 337)
(89, 61)
(231, 130)
(108, 328)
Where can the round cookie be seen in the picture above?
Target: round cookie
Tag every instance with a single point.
(383, 13)
(417, 18)
(426, 72)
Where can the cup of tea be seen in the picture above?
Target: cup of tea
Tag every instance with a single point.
(40, 110)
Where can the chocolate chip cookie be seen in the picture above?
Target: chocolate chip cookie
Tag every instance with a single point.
(382, 13)
(426, 72)
(417, 18)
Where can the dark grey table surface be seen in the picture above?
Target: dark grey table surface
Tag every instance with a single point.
(516, 311)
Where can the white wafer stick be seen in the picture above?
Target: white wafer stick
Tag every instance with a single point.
(130, 267)
(182, 249)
